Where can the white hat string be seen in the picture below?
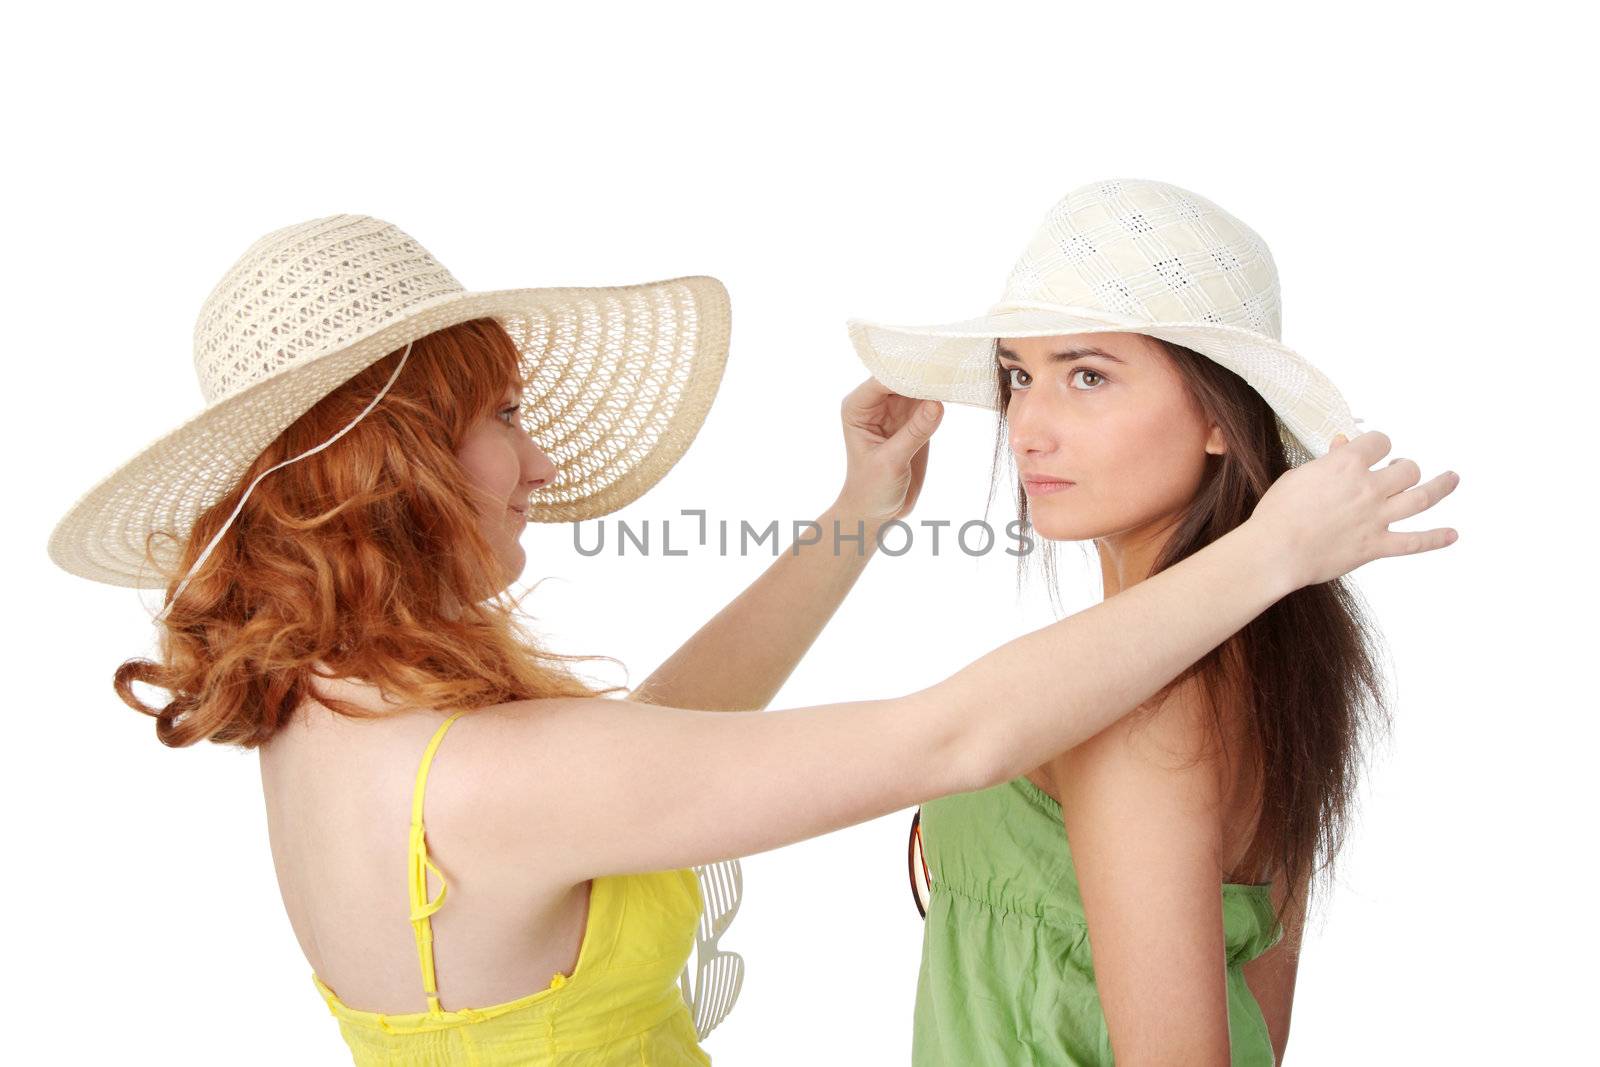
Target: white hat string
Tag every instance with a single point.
(238, 507)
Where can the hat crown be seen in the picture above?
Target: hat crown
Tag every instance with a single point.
(305, 290)
(1152, 252)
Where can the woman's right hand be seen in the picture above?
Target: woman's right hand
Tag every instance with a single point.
(1332, 515)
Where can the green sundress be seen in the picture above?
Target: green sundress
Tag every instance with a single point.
(1006, 974)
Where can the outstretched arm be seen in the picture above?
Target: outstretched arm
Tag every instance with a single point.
(740, 659)
(593, 787)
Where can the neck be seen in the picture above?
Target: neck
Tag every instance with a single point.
(1126, 557)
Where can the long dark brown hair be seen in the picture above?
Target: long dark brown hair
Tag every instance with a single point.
(1305, 673)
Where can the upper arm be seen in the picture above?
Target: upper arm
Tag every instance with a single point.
(591, 787)
(1141, 801)
(1271, 975)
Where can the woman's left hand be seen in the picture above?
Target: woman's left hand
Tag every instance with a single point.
(886, 448)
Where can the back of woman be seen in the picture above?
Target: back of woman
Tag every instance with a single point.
(338, 796)
(535, 968)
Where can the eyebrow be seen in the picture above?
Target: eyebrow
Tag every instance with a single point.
(1001, 352)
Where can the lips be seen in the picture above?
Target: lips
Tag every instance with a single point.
(1046, 485)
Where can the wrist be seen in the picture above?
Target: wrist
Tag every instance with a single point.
(1267, 557)
(851, 520)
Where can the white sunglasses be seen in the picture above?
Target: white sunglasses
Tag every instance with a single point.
(718, 975)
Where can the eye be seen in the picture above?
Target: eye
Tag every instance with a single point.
(512, 411)
(1008, 371)
(1093, 373)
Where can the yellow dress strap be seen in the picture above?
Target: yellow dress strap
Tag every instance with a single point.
(419, 865)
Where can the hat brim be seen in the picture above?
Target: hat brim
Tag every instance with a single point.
(955, 362)
(620, 381)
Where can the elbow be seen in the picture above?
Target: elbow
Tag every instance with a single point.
(968, 748)
(973, 766)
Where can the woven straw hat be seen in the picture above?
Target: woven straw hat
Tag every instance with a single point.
(1127, 255)
(620, 380)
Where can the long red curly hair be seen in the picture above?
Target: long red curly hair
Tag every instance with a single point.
(366, 557)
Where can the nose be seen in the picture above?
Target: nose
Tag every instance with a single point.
(1028, 428)
(538, 469)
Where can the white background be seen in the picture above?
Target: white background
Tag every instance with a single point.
(1418, 173)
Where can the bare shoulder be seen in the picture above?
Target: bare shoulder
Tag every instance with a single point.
(517, 779)
(510, 749)
(554, 733)
(1176, 733)
(1181, 729)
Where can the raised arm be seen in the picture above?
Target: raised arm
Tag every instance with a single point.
(601, 787)
(741, 658)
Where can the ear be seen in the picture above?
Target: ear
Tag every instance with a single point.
(1215, 445)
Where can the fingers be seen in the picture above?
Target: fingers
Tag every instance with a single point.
(1415, 501)
(1399, 474)
(1370, 446)
(879, 411)
(866, 396)
(915, 433)
(1396, 480)
(1411, 542)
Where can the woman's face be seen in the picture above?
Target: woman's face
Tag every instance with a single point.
(1108, 413)
(504, 466)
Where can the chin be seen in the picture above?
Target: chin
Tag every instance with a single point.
(511, 564)
(1066, 527)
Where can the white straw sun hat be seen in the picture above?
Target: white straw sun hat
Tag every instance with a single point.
(621, 378)
(1127, 255)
